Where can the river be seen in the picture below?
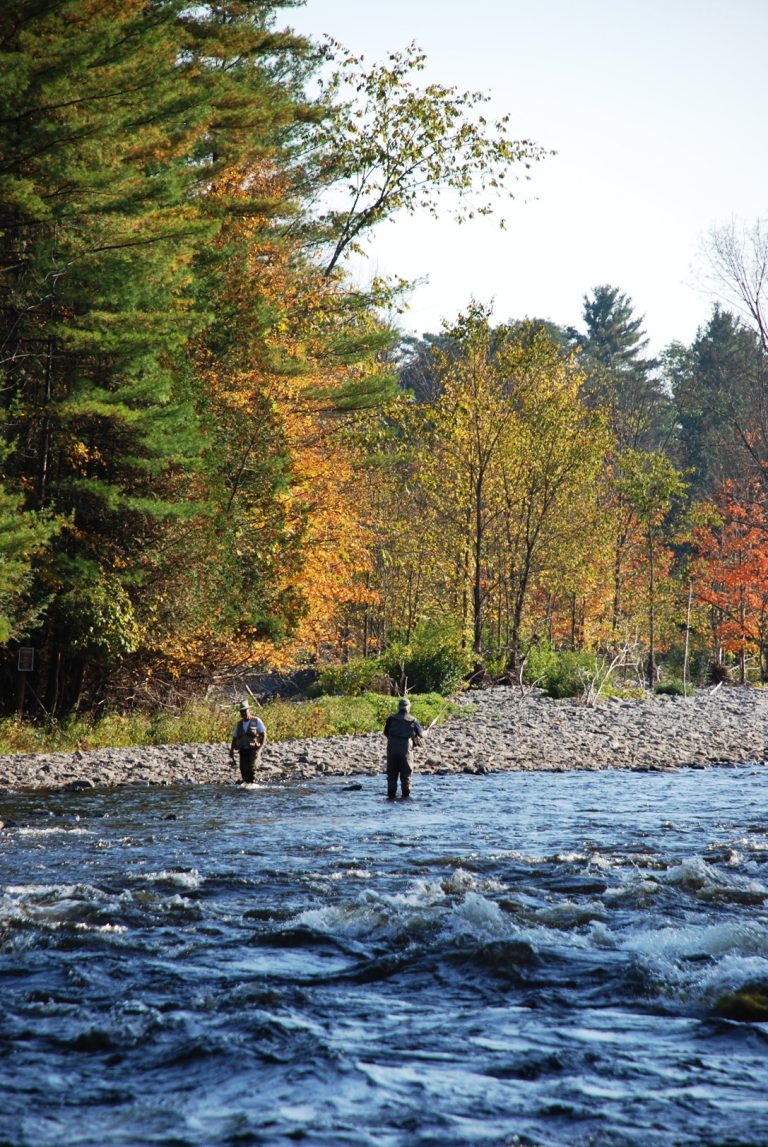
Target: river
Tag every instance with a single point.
(514, 960)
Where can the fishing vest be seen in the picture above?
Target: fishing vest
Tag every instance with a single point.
(401, 730)
(246, 734)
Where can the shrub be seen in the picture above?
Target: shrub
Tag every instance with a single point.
(353, 678)
(699, 661)
(560, 673)
(329, 716)
(198, 722)
(673, 687)
(427, 669)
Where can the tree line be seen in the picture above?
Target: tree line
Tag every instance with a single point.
(215, 450)
(574, 490)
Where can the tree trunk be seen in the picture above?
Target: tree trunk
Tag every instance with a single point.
(477, 581)
(651, 619)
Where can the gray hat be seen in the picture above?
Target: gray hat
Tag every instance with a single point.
(244, 707)
(404, 704)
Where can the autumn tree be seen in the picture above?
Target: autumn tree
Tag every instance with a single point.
(506, 462)
(647, 487)
(729, 571)
(286, 379)
(549, 477)
(184, 366)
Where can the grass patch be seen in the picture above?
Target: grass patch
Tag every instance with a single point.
(206, 723)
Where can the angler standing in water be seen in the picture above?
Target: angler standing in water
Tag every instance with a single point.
(402, 731)
(248, 738)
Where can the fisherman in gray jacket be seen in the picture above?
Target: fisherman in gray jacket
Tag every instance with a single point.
(402, 731)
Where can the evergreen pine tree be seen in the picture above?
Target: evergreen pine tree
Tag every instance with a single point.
(717, 388)
(112, 120)
(619, 375)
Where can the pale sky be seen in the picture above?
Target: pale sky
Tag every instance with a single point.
(657, 111)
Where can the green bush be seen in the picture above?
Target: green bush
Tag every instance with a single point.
(199, 722)
(560, 673)
(674, 687)
(353, 678)
(420, 669)
(699, 661)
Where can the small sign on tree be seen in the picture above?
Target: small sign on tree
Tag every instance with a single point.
(26, 659)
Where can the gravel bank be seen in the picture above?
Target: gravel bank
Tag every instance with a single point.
(502, 729)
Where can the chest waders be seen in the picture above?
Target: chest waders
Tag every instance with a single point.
(401, 732)
(248, 748)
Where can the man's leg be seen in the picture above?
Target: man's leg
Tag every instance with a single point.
(248, 766)
(406, 772)
(393, 770)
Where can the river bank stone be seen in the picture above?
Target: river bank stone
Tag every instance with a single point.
(498, 729)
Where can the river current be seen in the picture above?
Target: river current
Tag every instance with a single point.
(527, 959)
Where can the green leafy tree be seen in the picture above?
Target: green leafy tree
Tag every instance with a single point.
(390, 144)
(24, 535)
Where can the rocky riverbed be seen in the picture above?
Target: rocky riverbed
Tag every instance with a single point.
(499, 729)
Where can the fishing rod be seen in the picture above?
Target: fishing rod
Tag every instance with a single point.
(464, 685)
(439, 714)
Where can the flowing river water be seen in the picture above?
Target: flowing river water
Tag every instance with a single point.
(549, 959)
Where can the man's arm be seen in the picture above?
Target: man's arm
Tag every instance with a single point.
(261, 733)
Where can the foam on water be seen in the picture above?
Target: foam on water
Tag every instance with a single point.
(697, 875)
(53, 830)
(686, 942)
(190, 880)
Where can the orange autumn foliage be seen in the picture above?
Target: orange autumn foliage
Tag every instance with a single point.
(730, 566)
(287, 318)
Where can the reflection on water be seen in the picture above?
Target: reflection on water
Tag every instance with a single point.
(553, 960)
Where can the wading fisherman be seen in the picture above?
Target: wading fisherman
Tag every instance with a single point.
(402, 731)
(248, 738)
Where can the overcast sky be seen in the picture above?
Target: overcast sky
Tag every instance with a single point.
(657, 112)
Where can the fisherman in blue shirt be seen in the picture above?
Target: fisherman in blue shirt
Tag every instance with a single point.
(248, 738)
(402, 731)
